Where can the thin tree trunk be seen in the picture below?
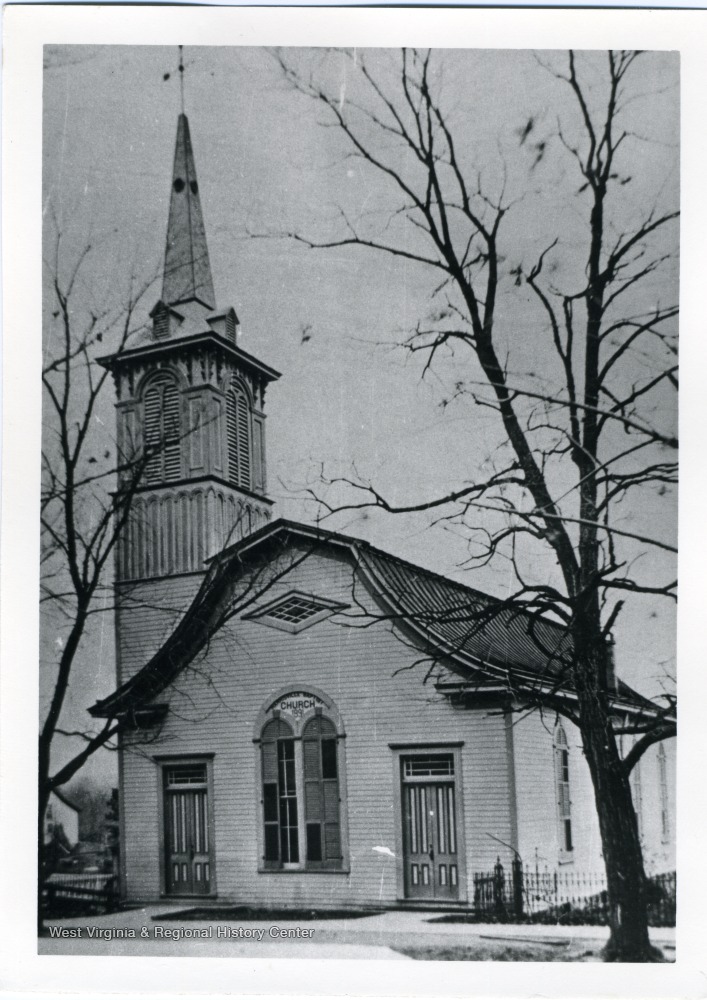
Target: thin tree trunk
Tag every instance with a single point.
(623, 858)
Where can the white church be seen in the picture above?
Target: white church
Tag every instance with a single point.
(299, 759)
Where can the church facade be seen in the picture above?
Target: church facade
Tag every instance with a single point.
(315, 723)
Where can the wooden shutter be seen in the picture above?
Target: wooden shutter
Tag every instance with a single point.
(664, 804)
(162, 430)
(238, 433)
(273, 731)
(171, 432)
(152, 432)
(321, 783)
(243, 441)
(257, 451)
(562, 779)
(232, 437)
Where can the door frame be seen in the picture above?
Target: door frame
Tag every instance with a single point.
(398, 751)
(169, 760)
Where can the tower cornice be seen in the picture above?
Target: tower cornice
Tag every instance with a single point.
(156, 350)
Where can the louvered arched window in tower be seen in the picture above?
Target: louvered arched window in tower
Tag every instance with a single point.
(161, 429)
(238, 420)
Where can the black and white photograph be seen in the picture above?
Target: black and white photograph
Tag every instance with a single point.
(359, 512)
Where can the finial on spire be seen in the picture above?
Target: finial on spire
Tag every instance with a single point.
(181, 74)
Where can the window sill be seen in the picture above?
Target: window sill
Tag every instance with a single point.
(188, 895)
(304, 871)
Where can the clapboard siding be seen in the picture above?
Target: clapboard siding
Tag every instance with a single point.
(538, 830)
(538, 826)
(214, 709)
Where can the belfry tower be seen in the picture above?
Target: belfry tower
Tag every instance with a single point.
(190, 409)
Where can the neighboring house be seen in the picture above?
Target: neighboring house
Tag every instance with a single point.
(347, 737)
(61, 822)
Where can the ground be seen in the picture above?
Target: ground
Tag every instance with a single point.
(389, 935)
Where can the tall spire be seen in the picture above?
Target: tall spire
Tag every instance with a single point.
(187, 271)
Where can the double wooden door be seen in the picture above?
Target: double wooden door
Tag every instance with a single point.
(188, 862)
(430, 840)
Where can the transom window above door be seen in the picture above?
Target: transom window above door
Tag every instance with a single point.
(430, 766)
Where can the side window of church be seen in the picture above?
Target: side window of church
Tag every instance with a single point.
(162, 430)
(314, 808)
(321, 791)
(281, 835)
(664, 800)
(562, 779)
(238, 420)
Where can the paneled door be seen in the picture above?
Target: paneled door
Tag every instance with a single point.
(187, 835)
(430, 827)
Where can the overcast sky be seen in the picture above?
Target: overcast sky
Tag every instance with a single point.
(265, 165)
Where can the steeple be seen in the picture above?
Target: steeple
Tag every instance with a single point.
(191, 401)
(187, 271)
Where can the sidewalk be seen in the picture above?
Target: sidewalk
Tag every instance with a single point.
(141, 932)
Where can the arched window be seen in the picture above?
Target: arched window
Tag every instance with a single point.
(321, 791)
(664, 802)
(637, 789)
(161, 429)
(562, 783)
(280, 819)
(238, 421)
(303, 784)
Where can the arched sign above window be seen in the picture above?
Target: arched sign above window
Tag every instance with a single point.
(296, 704)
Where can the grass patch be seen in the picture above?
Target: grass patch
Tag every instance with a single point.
(465, 917)
(256, 913)
(502, 952)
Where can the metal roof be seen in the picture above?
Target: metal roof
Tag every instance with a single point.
(462, 625)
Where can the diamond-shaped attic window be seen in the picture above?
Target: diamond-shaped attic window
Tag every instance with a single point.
(295, 611)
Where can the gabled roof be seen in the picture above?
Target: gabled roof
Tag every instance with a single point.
(474, 632)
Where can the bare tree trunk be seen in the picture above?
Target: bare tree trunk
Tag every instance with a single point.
(623, 858)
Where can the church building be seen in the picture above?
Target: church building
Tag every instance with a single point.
(312, 720)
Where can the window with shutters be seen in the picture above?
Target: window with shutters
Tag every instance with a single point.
(239, 433)
(301, 794)
(664, 801)
(161, 429)
(280, 816)
(321, 792)
(564, 803)
(637, 789)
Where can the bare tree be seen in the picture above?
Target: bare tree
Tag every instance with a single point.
(89, 482)
(82, 511)
(594, 429)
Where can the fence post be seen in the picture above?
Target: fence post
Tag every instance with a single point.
(498, 900)
(517, 869)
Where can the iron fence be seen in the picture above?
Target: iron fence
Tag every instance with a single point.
(565, 897)
(66, 893)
